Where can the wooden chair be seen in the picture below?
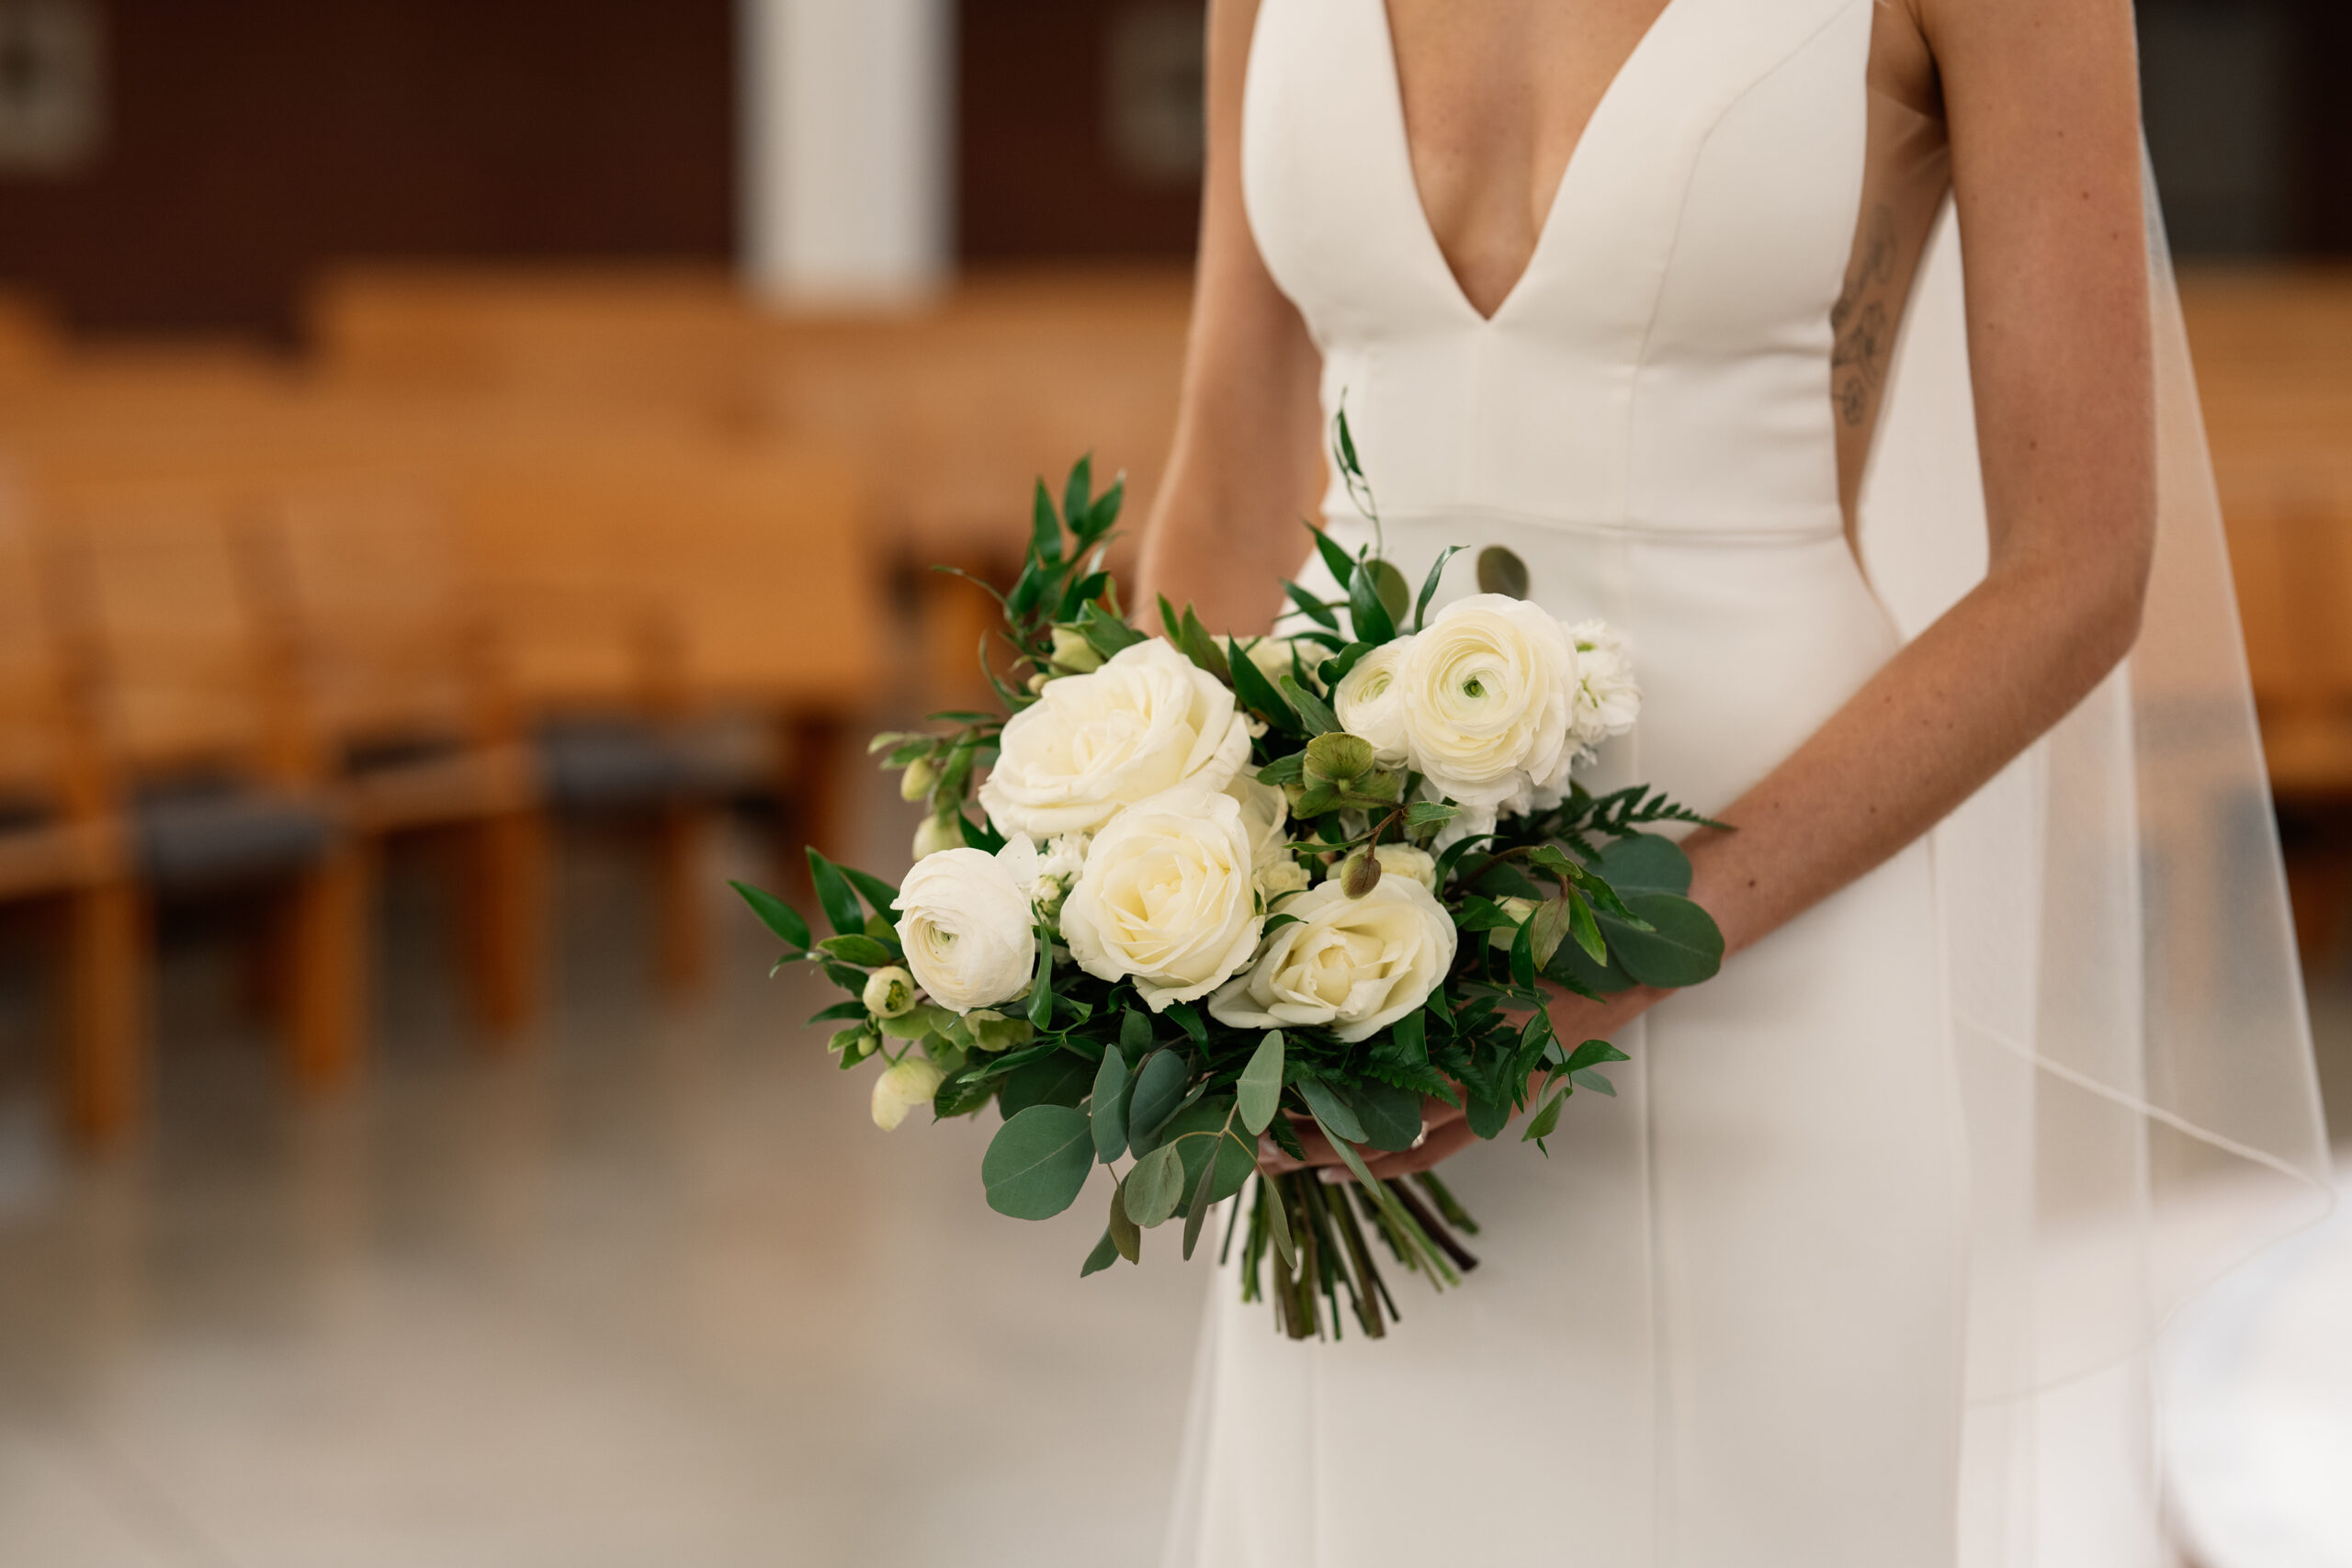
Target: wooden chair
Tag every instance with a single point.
(208, 746)
(403, 710)
(62, 845)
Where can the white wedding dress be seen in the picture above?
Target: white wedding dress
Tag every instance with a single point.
(1750, 1312)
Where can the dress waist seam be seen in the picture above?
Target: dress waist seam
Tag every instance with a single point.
(1635, 531)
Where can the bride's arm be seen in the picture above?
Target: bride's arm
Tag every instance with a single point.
(1245, 466)
(2041, 102)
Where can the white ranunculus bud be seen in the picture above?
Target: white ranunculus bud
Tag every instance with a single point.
(889, 992)
(1166, 898)
(1489, 692)
(1369, 703)
(935, 834)
(1147, 721)
(901, 1088)
(964, 922)
(1607, 700)
(1280, 877)
(1351, 965)
(1073, 652)
(916, 782)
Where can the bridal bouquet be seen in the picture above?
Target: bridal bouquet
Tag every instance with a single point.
(1218, 890)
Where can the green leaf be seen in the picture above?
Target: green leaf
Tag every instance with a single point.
(1343, 568)
(776, 914)
(1159, 1088)
(1201, 648)
(1430, 813)
(1188, 1019)
(833, 892)
(1683, 947)
(1394, 596)
(1201, 1129)
(1313, 712)
(1545, 1121)
(1107, 634)
(853, 1009)
(1078, 494)
(1391, 1116)
(1588, 934)
(858, 950)
(1488, 1117)
(1037, 1162)
(1411, 1034)
(1644, 863)
(1260, 1091)
(1278, 1228)
(1429, 585)
(1105, 1253)
(1368, 616)
(1196, 1208)
(879, 894)
(1125, 1235)
(1592, 1053)
(1155, 1185)
(1330, 1110)
(1061, 1078)
(1522, 955)
(1551, 922)
(979, 835)
(1135, 1034)
(1590, 1079)
(1110, 1110)
(1105, 510)
(1257, 692)
(1046, 533)
(1284, 769)
(1500, 571)
(1314, 609)
(1041, 990)
(1571, 966)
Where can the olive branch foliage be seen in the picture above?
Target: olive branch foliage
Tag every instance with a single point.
(1580, 897)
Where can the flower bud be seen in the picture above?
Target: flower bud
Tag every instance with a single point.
(889, 992)
(937, 833)
(918, 780)
(992, 1030)
(1073, 652)
(1361, 874)
(901, 1088)
(1036, 686)
(1339, 758)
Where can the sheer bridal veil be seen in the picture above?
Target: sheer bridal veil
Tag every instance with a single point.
(2125, 1004)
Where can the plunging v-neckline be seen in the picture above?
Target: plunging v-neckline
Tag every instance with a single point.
(1551, 212)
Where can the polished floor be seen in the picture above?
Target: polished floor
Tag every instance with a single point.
(655, 1292)
(652, 1291)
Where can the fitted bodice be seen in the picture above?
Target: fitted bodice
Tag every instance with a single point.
(1664, 363)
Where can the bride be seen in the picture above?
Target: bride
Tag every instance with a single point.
(1856, 1270)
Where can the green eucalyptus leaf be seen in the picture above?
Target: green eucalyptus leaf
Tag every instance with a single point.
(1037, 1162)
(1278, 1228)
(1105, 1253)
(1126, 1237)
(1260, 1091)
(1501, 571)
(1201, 1129)
(1062, 1078)
(1330, 1110)
(1110, 1106)
(1159, 1088)
(1682, 946)
(1644, 863)
(1155, 1185)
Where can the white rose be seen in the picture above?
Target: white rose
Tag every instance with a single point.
(1284, 875)
(1352, 965)
(1488, 689)
(1166, 898)
(1370, 702)
(1265, 810)
(1147, 721)
(965, 920)
(1273, 656)
(901, 1088)
(1607, 700)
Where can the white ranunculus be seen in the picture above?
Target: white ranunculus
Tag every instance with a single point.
(964, 922)
(903, 1088)
(1607, 700)
(1147, 721)
(1489, 690)
(1351, 965)
(1166, 898)
(1371, 703)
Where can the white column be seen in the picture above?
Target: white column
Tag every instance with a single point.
(847, 148)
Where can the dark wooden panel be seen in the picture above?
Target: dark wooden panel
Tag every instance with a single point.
(1041, 171)
(249, 142)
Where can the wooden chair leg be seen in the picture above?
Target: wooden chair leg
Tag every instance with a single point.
(107, 972)
(808, 787)
(327, 952)
(683, 875)
(506, 910)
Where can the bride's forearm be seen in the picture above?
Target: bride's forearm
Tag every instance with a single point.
(1943, 716)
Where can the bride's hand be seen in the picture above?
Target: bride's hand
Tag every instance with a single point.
(1445, 1130)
